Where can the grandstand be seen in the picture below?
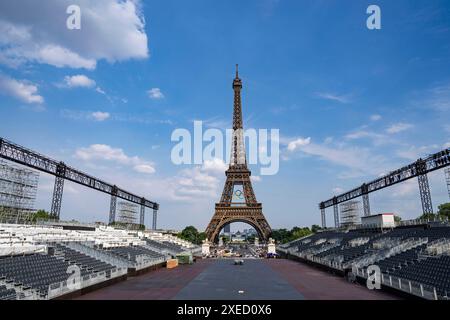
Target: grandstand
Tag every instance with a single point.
(413, 258)
(41, 262)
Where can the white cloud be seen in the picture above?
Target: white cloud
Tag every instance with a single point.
(216, 123)
(35, 32)
(375, 117)
(359, 160)
(155, 93)
(357, 135)
(377, 138)
(333, 97)
(59, 57)
(100, 90)
(79, 81)
(446, 145)
(197, 183)
(100, 116)
(328, 140)
(294, 145)
(23, 90)
(337, 190)
(255, 178)
(193, 185)
(105, 152)
(398, 127)
(438, 98)
(215, 165)
(414, 153)
(409, 187)
(144, 168)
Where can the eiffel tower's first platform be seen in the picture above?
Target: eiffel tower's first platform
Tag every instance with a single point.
(238, 202)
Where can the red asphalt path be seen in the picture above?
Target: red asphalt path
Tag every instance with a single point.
(164, 283)
(161, 284)
(315, 284)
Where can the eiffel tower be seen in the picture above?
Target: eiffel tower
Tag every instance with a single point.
(238, 202)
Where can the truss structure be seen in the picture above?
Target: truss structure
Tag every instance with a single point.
(18, 188)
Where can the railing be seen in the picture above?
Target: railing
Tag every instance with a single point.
(60, 288)
(382, 254)
(16, 248)
(412, 222)
(164, 251)
(440, 219)
(405, 285)
(21, 292)
(438, 247)
(144, 261)
(98, 254)
(311, 252)
(52, 222)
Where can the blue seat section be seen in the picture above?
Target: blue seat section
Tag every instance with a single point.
(414, 264)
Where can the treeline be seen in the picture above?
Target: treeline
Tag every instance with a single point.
(285, 235)
(442, 213)
(191, 234)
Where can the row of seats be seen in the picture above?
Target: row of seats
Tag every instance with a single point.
(400, 260)
(432, 271)
(165, 245)
(7, 294)
(412, 264)
(131, 252)
(85, 262)
(36, 271)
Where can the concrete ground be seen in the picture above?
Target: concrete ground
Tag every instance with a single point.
(276, 279)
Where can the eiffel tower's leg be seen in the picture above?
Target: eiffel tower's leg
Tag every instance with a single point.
(248, 192)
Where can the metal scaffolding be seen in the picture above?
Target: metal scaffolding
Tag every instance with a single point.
(26, 157)
(447, 178)
(336, 216)
(155, 216)
(58, 190)
(128, 212)
(350, 213)
(18, 188)
(324, 219)
(417, 169)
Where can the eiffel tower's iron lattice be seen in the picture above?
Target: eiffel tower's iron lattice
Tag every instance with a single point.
(238, 175)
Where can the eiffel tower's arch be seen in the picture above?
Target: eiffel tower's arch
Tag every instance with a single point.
(238, 202)
(255, 225)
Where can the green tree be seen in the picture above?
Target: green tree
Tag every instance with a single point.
(444, 210)
(41, 215)
(191, 234)
(397, 218)
(300, 233)
(280, 235)
(428, 216)
(315, 228)
(200, 237)
(284, 235)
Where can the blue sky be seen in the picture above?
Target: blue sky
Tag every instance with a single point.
(351, 103)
